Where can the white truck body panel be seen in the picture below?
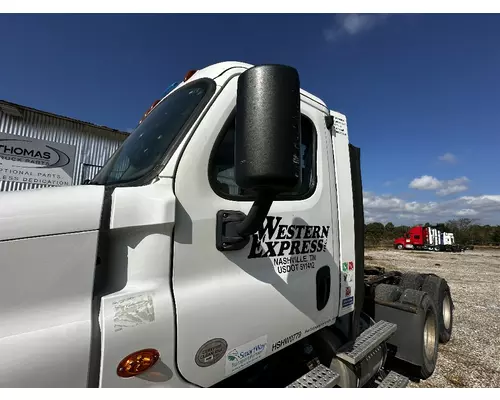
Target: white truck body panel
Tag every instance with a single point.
(48, 247)
(138, 311)
(32, 213)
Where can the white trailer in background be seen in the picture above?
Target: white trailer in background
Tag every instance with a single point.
(427, 238)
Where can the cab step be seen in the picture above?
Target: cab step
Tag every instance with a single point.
(367, 341)
(394, 380)
(319, 377)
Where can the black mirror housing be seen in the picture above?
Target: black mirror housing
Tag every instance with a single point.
(267, 141)
(267, 148)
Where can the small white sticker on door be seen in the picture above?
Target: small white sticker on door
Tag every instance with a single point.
(245, 355)
(132, 311)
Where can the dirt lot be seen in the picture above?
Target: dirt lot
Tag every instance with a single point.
(472, 357)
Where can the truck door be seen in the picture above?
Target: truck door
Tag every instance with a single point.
(237, 307)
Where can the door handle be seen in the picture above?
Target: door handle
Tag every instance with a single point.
(323, 286)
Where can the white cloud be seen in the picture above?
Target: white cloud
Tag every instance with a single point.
(443, 188)
(453, 186)
(448, 157)
(385, 208)
(466, 212)
(425, 182)
(352, 24)
(487, 203)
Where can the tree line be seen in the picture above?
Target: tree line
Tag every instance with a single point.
(466, 231)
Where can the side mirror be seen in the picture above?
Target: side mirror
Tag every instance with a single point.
(267, 140)
(267, 147)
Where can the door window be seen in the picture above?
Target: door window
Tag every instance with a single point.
(222, 165)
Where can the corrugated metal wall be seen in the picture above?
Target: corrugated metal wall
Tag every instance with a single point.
(94, 145)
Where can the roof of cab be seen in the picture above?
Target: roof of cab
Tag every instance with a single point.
(215, 70)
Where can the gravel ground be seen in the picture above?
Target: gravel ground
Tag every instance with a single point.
(472, 357)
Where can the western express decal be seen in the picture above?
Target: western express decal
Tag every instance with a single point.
(291, 247)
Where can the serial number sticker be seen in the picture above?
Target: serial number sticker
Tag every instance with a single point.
(286, 341)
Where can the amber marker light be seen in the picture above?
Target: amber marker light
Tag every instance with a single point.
(137, 363)
(189, 74)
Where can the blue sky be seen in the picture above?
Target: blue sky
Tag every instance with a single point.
(421, 92)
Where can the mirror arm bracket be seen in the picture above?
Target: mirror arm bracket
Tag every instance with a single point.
(234, 228)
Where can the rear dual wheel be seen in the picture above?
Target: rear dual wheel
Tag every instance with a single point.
(439, 291)
(418, 352)
(440, 294)
(430, 340)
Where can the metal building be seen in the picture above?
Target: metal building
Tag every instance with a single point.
(39, 149)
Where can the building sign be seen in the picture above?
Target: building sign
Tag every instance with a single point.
(35, 161)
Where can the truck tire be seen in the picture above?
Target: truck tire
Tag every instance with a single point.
(399, 246)
(411, 280)
(387, 293)
(439, 291)
(429, 330)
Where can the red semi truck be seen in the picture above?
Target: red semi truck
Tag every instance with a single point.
(427, 238)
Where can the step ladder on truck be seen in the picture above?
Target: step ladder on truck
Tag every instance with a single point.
(220, 246)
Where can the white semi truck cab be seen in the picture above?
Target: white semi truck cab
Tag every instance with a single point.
(220, 246)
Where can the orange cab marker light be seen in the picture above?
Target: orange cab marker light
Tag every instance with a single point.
(137, 363)
(189, 74)
(150, 109)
